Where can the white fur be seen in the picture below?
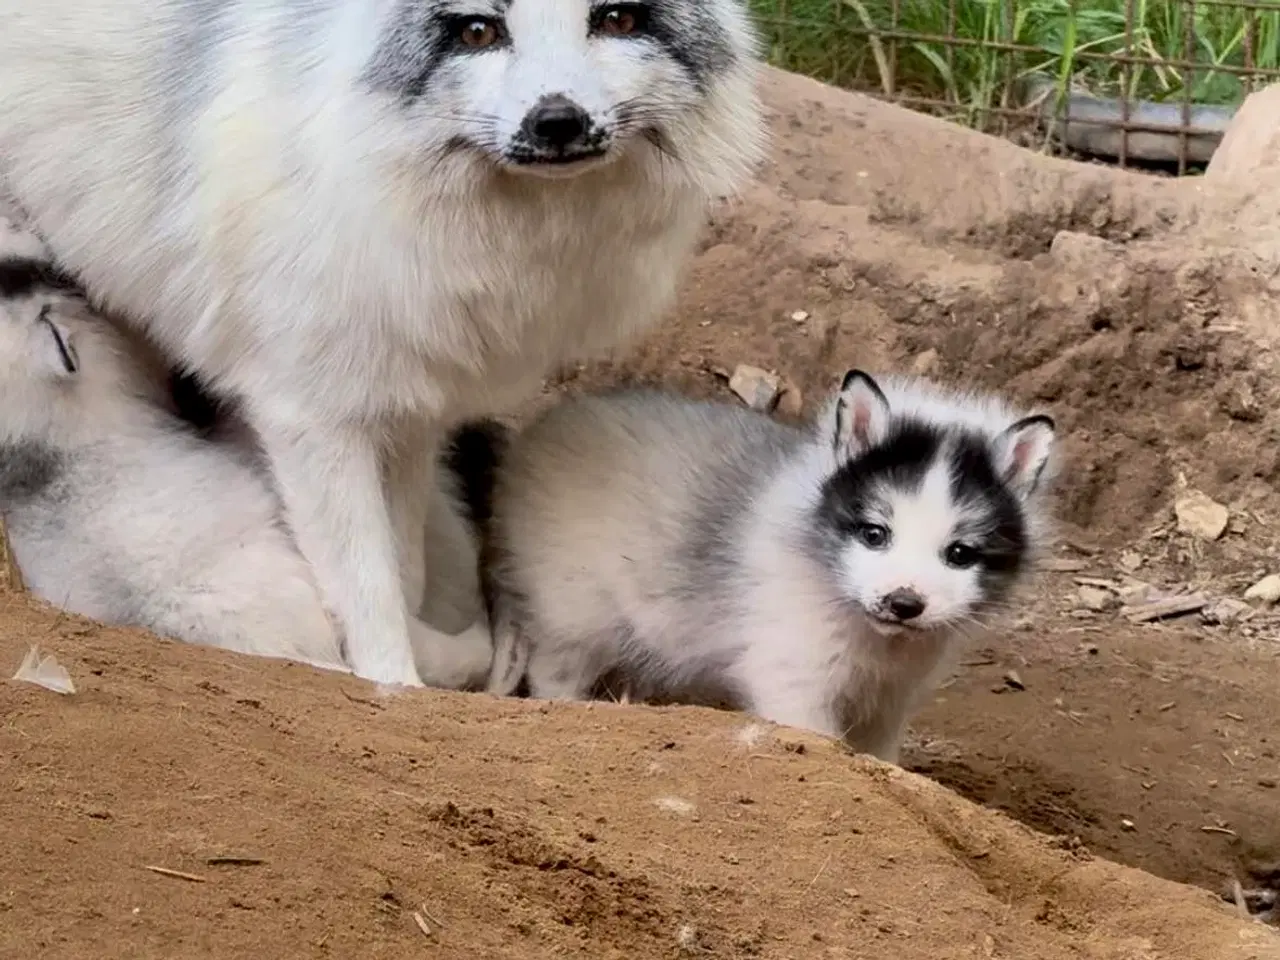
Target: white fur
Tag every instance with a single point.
(219, 174)
(141, 522)
(599, 503)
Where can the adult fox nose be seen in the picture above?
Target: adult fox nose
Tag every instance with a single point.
(555, 121)
(904, 604)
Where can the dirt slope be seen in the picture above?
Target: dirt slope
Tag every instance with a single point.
(512, 830)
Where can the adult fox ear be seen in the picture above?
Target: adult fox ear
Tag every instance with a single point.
(53, 349)
(861, 415)
(1022, 452)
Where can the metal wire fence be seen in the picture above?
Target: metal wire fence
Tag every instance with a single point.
(1136, 82)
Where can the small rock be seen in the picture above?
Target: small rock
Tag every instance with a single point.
(1201, 516)
(1097, 599)
(1226, 610)
(791, 401)
(757, 388)
(1135, 592)
(1267, 783)
(1131, 560)
(1128, 824)
(1240, 401)
(1013, 681)
(799, 316)
(1266, 590)
(925, 363)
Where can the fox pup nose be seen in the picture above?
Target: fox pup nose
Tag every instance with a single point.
(904, 604)
(555, 121)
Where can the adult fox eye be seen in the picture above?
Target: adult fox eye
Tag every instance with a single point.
(622, 20)
(478, 32)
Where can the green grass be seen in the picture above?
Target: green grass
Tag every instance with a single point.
(839, 41)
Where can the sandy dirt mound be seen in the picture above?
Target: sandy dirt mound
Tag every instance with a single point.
(1138, 310)
(309, 818)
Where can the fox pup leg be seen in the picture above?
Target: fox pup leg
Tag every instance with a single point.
(566, 670)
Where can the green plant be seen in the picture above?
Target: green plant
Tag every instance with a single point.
(851, 43)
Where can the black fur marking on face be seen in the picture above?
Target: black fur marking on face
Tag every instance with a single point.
(851, 495)
(24, 276)
(422, 39)
(688, 33)
(998, 526)
(28, 468)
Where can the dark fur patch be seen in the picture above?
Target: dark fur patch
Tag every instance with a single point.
(1002, 537)
(472, 454)
(688, 33)
(723, 497)
(24, 276)
(28, 468)
(194, 402)
(420, 42)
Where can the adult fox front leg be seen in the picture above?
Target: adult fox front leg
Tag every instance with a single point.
(355, 214)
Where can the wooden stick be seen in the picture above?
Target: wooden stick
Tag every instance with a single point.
(10, 575)
(178, 874)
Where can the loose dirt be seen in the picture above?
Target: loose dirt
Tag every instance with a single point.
(1137, 309)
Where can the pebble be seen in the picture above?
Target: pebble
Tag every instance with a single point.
(1135, 591)
(925, 363)
(1130, 560)
(1200, 516)
(791, 402)
(757, 388)
(1225, 611)
(1267, 590)
(1098, 599)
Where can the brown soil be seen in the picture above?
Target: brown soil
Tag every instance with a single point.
(1135, 308)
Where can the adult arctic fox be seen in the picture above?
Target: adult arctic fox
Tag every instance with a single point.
(368, 220)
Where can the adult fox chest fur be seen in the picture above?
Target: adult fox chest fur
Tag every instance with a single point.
(369, 220)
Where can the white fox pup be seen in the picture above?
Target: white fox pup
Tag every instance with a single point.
(709, 554)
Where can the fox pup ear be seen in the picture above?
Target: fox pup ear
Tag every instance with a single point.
(1022, 452)
(861, 415)
(54, 351)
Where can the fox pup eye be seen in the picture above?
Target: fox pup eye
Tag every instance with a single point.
(622, 20)
(872, 535)
(477, 33)
(960, 555)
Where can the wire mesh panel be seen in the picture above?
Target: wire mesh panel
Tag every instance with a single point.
(1136, 82)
